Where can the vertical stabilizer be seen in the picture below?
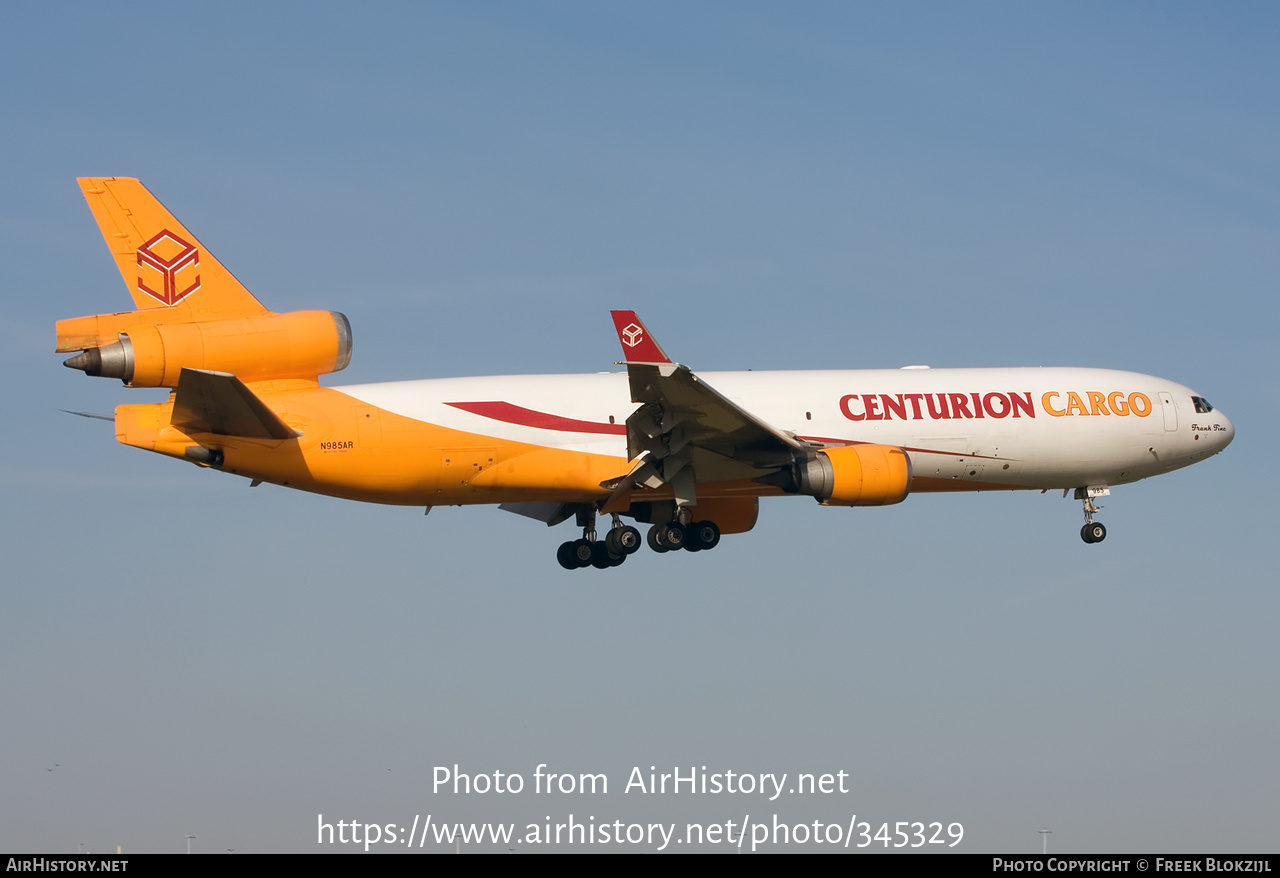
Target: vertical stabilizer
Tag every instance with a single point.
(162, 263)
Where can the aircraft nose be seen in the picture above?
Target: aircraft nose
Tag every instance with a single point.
(1228, 433)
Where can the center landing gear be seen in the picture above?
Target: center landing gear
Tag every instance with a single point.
(695, 537)
(621, 541)
(1093, 531)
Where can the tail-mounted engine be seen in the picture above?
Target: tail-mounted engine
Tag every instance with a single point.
(850, 475)
(144, 352)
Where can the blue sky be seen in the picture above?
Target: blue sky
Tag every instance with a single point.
(475, 186)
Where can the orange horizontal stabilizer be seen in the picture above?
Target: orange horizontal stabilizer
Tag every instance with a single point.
(218, 403)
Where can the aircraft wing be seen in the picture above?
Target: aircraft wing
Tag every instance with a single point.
(685, 431)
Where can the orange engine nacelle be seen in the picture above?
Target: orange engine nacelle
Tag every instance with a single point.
(854, 475)
(301, 344)
(733, 515)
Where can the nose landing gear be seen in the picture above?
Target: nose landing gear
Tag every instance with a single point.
(1093, 531)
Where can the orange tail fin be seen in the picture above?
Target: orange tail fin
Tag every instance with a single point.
(162, 263)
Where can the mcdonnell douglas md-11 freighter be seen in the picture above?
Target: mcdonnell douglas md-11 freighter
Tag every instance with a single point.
(689, 454)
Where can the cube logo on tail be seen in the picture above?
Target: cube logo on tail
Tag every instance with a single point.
(169, 262)
(632, 335)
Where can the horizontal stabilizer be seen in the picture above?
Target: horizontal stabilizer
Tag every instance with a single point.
(220, 403)
(111, 418)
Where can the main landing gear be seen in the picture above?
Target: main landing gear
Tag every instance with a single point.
(621, 541)
(1093, 531)
(624, 540)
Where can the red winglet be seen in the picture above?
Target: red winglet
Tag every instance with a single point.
(638, 345)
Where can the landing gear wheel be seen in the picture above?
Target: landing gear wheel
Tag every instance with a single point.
(565, 556)
(1093, 532)
(626, 540)
(701, 536)
(602, 557)
(654, 539)
(671, 535)
(583, 552)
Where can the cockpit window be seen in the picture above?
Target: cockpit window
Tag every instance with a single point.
(1202, 405)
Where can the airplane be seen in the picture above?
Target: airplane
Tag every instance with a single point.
(688, 454)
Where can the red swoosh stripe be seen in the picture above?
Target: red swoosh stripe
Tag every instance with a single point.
(828, 441)
(514, 414)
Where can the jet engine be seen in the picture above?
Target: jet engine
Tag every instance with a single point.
(850, 475)
(300, 344)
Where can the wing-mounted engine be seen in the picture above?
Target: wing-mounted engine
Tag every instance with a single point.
(849, 475)
(143, 350)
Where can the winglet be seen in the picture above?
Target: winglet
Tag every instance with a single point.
(638, 345)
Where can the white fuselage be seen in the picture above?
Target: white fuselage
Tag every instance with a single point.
(964, 429)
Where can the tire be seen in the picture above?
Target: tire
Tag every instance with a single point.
(582, 552)
(601, 556)
(653, 539)
(672, 535)
(565, 556)
(702, 536)
(628, 539)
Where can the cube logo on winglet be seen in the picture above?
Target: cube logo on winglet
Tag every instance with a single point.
(638, 344)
